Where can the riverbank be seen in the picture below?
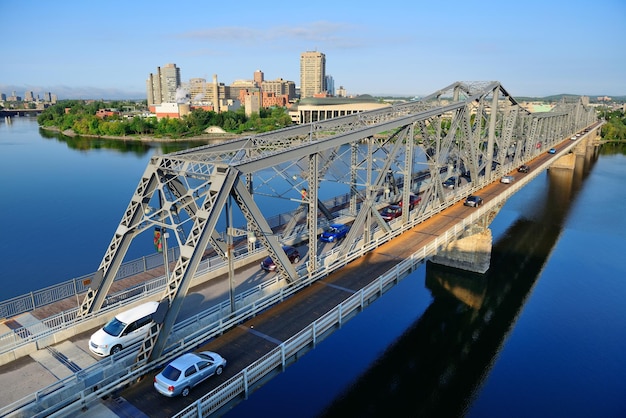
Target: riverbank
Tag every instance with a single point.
(208, 137)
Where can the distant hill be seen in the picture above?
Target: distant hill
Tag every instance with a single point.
(570, 98)
(567, 97)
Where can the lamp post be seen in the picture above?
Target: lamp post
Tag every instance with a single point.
(165, 259)
(229, 254)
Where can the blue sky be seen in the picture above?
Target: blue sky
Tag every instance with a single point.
(87, 49)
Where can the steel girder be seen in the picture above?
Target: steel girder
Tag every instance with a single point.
(465, 129)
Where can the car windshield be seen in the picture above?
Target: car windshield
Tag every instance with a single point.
(171, 373)
(114, 327)
(206, 357)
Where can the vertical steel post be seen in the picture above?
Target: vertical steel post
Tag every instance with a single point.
(229, 254)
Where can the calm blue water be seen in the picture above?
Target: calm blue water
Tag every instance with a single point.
(60, 205)
(541, 334)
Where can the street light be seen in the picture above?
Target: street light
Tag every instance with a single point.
(229, 254)
(166, 235)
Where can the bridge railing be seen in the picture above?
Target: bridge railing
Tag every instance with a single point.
(78, 286)
(216, 320)
(240, 385)
(43, 330)
(65, 320)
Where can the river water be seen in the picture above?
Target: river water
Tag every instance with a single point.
(540, 334)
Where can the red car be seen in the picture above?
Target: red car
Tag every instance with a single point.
(391, 212)
(292, 253)
(413, 200)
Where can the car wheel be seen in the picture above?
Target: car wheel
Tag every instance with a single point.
(219, 370)
(295, 260)
(116, 349)
(185, 391)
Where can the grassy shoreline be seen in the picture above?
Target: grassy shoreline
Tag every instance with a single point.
(146, 138)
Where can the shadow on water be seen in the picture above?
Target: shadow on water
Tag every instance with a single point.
(437, 367)
(137, 147)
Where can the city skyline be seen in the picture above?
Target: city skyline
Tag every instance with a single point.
(402, 49)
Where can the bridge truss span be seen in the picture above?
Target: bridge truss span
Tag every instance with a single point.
(438, 148)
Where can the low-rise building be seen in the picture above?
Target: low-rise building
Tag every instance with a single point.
(314, 109)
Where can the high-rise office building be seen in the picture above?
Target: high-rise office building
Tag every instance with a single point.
(312, 73)
(161, 87)
(330, 85)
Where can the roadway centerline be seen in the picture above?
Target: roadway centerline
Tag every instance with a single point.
(260, 334)
(345, 289)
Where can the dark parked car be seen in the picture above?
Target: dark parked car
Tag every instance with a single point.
(523, 168)
(334, 232)
(507, 179)
(391, 212)
(186, 371)
(450, 183)
(413, 200)
(292, 253)
(473, 201)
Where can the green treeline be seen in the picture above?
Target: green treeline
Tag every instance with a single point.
(615, 127)
(81, 118)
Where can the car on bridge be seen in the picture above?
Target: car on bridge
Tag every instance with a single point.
(523, 168)
(450, 183)
(334, 232)
(552, 151)
(473, 201)
(413, 201)
(292, 253)
(187, 371)
(507, 179)
(391, 212)
(124, 329)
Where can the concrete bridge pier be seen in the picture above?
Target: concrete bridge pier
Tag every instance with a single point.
(471, 251)
(581, 154)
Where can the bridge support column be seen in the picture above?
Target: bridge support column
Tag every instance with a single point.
(567, 162)
(470, 252)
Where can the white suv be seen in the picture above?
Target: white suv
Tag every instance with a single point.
(124, 329)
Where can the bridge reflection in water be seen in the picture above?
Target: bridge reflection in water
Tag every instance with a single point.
(437, 367)
(262, 231)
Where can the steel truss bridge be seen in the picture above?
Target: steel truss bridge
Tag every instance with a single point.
(471, 131)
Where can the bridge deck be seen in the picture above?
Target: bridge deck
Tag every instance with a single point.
(252, 339)
(256, 337)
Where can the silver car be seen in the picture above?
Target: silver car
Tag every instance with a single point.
(186, 371)
(473, 201)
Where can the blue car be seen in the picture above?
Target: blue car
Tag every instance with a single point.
(334, 232)
(552, 151)
(187, 371)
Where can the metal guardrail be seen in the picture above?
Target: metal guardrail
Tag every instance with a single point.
(210, 323)
(77, 286)
(240, 385)
(25, 335)
(43, 403)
